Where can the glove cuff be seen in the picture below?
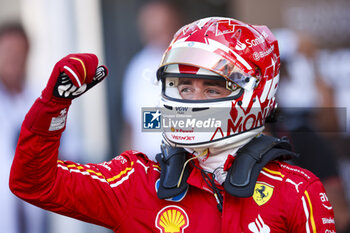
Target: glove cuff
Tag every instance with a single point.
(47, 118)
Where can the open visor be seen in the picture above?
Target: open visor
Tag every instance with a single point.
(211, 88)
(212, 61)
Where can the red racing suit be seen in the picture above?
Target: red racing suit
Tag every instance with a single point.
(122, 194)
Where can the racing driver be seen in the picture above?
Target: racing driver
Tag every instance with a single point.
(231, 178)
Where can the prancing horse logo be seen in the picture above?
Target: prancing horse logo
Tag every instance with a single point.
(262, 193)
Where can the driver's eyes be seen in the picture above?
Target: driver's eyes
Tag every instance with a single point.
(213, 91)
(185, 90)
(201, 89)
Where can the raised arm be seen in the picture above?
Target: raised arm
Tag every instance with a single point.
(37, 175)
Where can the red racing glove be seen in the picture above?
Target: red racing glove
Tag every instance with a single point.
(71, 77)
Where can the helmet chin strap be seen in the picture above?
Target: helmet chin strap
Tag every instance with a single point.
(213, 159)
(214, 163)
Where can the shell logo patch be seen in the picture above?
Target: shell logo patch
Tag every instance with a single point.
(262, 193)
(172, 219)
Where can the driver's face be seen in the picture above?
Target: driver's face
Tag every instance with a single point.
(202, 89)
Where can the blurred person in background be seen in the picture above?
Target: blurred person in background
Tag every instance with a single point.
(335, 65)
(306, 106)
(157, 22)
(15, 100)
(16, 97)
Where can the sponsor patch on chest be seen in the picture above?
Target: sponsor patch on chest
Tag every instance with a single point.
(172, 219)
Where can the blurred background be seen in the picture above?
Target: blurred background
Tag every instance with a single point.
(129, 37)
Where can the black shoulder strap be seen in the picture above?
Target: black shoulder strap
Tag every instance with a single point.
(171, 161)
(242, 175)
(249, 161)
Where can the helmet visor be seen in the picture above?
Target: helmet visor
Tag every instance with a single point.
(212, 61)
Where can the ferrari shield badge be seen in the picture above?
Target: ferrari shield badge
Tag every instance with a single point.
(262, 193)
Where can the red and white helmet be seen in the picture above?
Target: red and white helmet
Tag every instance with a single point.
(245, 56)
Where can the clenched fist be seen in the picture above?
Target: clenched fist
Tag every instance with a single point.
(71, 77)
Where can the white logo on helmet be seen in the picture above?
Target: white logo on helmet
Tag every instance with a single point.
(240, 45)
(191, 44)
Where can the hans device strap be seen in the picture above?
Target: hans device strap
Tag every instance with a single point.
(171, 161)
(242, 175)
(249, 161)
